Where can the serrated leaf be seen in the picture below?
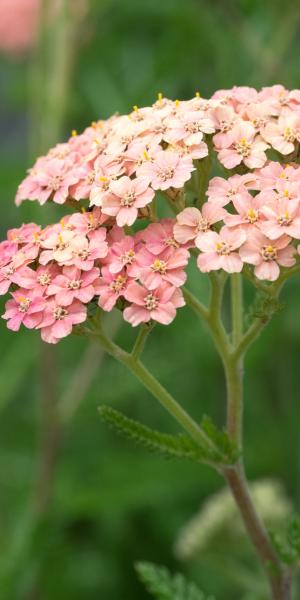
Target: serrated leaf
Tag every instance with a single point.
(162, 585)
(180, 446)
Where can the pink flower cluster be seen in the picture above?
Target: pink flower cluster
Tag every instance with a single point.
(57, 272)
(259, 226)
(160, 144)
(129, 169)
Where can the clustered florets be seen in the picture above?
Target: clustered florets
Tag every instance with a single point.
(124, 170)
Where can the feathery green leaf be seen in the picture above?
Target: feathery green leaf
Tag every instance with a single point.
(162, 585)
(180, 446)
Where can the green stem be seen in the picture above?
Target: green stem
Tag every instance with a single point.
(153, 386)
(250, 336)
(195, 304)
(234, 387)
(211, 315)
(236, 307)
(279, 581)
(216, 326)
(140, 341)
(234, 365)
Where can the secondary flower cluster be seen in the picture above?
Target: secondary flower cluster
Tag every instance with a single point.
(259, 227)
(128, 170)
(57, 272)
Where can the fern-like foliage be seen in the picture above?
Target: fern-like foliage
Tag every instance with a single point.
(178, 446)
(221, 452)
(162, 585)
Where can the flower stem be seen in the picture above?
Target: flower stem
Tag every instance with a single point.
(279, 581)
(140, 341)
(195, 304)
(234, 366)
(236, 307)
(154, 386)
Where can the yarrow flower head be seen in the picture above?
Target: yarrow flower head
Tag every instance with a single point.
(145, 204)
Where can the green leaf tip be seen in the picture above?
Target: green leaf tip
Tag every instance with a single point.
(162, 585)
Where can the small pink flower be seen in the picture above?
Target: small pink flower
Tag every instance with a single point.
(249, 212)
(192, 222)
(20, 275)
(8, 251)
(260, 113)
(106, 171)
(25, 307)
(122, 254)
(44, 276)
(157, 305)
(82, 188)
(24, 234)
(274, 174)
(159, 236)
(111, 287)
(87, 222)
(168, 169)
(74, 284)
(188, 128)
(139, 152)
(57, 246)
(266, 255)
(244, 146)
(57, 321)
(127, 196)
(225, 119)
(168, 266)
(282, 216)
(85, 252)
(53, 180)
(223, 191)
(279, 97)
(283, 134)
(219, 250)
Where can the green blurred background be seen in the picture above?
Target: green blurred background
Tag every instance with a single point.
(79, 505)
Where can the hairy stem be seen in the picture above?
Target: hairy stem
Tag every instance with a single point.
(232, 354)
(279, 581)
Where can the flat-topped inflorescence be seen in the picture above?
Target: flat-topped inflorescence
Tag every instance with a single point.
(130, 170)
